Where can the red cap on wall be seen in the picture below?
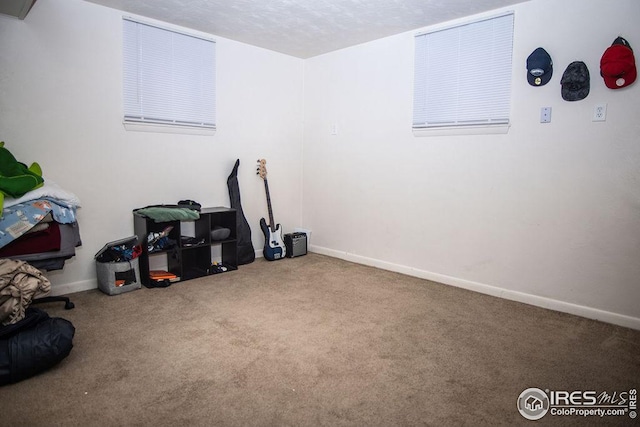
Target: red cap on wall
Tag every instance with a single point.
(618, 65)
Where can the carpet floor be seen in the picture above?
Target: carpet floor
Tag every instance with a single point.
(317, 341)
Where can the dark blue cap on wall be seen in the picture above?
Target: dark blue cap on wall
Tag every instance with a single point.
(539, 67)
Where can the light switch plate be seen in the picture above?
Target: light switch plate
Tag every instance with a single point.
(545, 115)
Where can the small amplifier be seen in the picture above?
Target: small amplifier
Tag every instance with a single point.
(296, 244)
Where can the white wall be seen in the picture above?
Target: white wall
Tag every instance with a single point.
(548, 214)
(61, 105)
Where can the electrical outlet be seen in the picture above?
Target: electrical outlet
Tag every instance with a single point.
(545, 115)
(599, 113)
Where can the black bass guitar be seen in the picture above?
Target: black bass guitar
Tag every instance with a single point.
(274, 247)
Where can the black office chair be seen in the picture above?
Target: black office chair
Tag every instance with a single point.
(68, 305)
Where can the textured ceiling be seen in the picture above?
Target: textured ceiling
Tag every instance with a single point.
(304, 28)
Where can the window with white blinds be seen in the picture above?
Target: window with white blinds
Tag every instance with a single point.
(169, 77)
(463, 75)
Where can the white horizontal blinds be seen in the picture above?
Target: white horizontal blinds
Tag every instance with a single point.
(169, 78)
(130, 53)
(463, 74)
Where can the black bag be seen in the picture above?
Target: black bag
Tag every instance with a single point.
(246, 253)
(190, 204)
(33, 345)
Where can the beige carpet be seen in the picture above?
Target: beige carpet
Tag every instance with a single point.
(317, 341)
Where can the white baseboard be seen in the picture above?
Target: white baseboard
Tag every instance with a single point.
(70, 288)
(552, 304)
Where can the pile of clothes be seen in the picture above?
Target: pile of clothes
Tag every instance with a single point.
(38, 230)
(38, 220)
(30, 340)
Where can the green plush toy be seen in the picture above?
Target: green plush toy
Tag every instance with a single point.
(16, 179)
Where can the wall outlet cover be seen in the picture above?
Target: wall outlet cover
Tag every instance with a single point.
(599, 113)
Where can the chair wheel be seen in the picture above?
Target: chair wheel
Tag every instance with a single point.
(69, 305)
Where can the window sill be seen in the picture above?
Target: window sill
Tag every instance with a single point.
(462, 130)
(159, 128)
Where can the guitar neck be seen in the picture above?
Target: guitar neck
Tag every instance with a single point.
(272, 224)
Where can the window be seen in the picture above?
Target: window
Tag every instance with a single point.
(463, 76)
(169, 78)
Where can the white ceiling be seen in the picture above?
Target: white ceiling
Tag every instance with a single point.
(304, 28)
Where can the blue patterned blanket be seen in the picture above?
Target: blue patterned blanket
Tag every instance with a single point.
(20, 218)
